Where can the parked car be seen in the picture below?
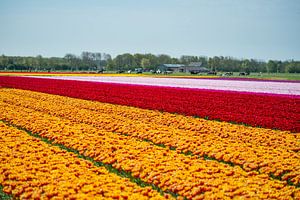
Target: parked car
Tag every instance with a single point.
(100, 71)
(158, 71)
(244, 73)
(168, 72)
(212, 73)
(227, 74)
(194, 71)
(138, 70)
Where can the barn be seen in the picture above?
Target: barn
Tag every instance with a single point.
(171, 68)
(193, 67)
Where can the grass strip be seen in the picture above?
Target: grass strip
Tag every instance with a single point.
(3, 195)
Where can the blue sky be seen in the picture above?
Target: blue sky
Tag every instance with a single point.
(261, 29)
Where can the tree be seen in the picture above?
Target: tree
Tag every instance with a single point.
(95, 61)
(3, 61)
(125, 61)
(152, 59)
(293, 67)
(72, 61)
(271, 66)
(145, 62)
(246, 66)
(89, 60)
(138, 59)
(98, 57)
(280, 67)
(203, 60)
(164, 59)
(188, 59)
(39, 62)
(214, 63)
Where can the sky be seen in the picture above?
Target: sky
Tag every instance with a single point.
(260, 29)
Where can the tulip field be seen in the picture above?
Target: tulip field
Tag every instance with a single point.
(84, 137)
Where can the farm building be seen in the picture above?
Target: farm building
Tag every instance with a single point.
(195, 67)
(192, 67)
(171, 67)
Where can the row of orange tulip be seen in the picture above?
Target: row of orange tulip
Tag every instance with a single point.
(266, 150)
(185, 175)
(274, 138)
(32, 169)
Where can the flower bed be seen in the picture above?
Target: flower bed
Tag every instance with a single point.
(255, 109)
(186, 175)
(32, 169)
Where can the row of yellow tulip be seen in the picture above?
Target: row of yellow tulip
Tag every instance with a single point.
(266, 150)
(71, 74)
(96, 74)
(186, 175)
(32, 169)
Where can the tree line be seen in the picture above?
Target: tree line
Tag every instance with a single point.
(91, 61)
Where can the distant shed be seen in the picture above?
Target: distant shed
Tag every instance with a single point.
(192, 67)
(196, 67)
(171, 67)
